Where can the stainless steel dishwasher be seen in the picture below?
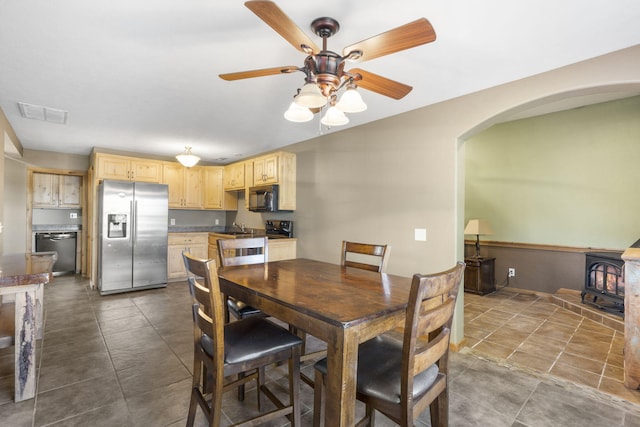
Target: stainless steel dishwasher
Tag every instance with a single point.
(64, 244)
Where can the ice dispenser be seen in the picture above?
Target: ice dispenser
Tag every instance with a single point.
(117, 226)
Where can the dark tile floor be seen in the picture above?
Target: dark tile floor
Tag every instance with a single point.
(125, 360)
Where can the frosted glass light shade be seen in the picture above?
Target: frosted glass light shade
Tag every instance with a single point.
(311, 97)
(298, 114)
(334, 117)
(187, 158)
(351, 101)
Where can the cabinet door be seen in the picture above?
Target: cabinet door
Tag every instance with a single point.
(234, 176)
(265, 170)
(146, 171)
(175, 264)
(113, 167)
(45, 190)
(172, 175)
(193, 191)
(70, 191)
(213, 192)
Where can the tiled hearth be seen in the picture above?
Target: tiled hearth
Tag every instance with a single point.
(555, 336)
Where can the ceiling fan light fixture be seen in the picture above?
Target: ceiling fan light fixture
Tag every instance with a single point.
(351, 101)
(298, 114)
(334, 117)
(310, 96)
(187, 158)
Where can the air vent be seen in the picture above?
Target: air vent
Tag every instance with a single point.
(47, 114)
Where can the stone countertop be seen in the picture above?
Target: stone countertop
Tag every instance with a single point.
(197, 228)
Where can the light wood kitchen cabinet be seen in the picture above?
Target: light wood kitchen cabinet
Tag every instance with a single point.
(265, 169)
(185, 186)
(195, 243)
(278, 168)
(234, 176)
(215, 197)
(124, 168)
(279, 249)
(56, 191)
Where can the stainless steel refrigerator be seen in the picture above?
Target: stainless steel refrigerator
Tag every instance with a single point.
(133, 233)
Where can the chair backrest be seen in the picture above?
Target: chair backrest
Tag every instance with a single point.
(378, 254)
(208, 306)
(243, 251)
(427, 329)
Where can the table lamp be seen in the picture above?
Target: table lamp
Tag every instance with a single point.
(478, 227)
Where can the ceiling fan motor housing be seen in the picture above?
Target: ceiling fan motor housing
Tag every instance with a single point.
(327, 67)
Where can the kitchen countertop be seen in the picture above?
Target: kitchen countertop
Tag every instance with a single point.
(56, 227)
(257, 232)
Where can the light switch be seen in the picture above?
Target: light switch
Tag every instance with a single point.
(420, 234)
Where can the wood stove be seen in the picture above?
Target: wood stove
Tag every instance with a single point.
(604, 281)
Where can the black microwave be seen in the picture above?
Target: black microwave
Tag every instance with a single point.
(263, 198)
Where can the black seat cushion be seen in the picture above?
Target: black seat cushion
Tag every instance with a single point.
(250, 338)
(240, 309)
(379, 366)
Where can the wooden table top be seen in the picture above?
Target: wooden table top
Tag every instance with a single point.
(329, 292)
(26, 269)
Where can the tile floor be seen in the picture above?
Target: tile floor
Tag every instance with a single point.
(125, 360)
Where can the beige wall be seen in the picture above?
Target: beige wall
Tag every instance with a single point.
(8, 139)
(378, 182)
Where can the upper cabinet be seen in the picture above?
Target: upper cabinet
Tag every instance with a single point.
(234, 176)
(278, 168)
(214, 195)
(265, 169)
(56, 191)
(185, 186)
(124, 168)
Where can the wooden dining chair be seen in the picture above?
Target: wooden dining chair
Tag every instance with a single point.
(242, 251)
(352, 255)
(365, 255)
(227, 355)
(401, 378)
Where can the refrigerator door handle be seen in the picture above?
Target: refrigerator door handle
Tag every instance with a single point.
(134, 215)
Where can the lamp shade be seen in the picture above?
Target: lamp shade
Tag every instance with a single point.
(479, 227)
(334, 117)
(187, 158)
(298, 114)
(310, 96)
(351, 101)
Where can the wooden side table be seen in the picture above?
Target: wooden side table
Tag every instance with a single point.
(479, 275)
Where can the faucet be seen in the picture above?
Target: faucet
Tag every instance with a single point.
(241, 226)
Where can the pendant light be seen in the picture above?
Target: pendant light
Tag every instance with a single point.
(187, 158)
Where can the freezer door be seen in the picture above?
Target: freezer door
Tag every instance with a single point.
(150, 234)
(115, 262)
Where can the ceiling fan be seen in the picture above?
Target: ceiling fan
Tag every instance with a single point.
(324, 69)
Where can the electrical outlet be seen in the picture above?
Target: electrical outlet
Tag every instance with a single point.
(512, 272)
(173, 221)
(217, 221)
(73, 215)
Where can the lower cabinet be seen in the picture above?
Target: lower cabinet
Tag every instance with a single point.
(195, 243)
(279, 249)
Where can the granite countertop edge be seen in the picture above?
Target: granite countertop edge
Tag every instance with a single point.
(56, 227)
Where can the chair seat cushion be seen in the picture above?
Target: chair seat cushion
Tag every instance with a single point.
(379, 370)
(251, 338)
(240, 309)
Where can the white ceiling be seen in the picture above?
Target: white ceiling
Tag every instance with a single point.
(142, 75)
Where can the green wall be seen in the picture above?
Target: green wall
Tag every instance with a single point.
(569, 178)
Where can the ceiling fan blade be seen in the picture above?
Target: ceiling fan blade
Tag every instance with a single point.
(273, 16)
(258, 73)
(381, 85)
(410, 35)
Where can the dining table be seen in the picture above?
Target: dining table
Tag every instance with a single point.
(22, 277)
(343, 306)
